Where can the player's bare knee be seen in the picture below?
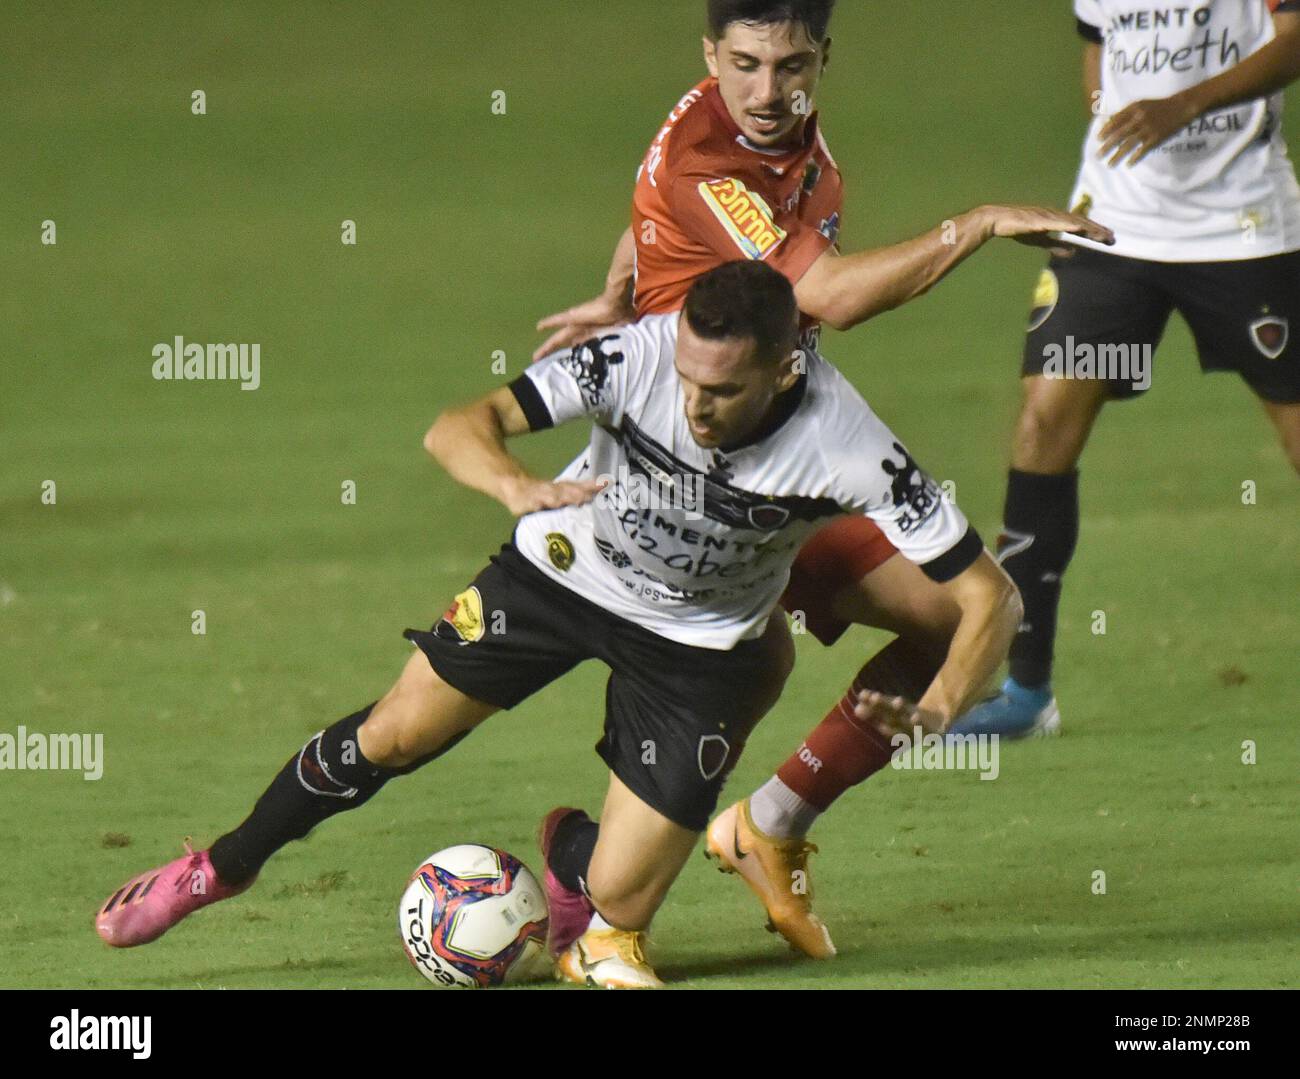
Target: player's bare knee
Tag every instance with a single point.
(1054, 422)
(385, 737)
(398, 729)
(1040, 445)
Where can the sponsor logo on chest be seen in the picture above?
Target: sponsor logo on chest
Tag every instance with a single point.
(747, 218)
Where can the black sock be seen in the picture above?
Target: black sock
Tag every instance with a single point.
(327, 776)
(1040, 529)
(572, 845)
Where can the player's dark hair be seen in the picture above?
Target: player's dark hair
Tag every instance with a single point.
(814, 15)
(745, 299)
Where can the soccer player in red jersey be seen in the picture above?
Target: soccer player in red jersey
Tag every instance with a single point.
(741, 169)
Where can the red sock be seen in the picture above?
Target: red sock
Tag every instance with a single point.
(841, 751)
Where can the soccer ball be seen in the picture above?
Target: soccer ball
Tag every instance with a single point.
(472, 917)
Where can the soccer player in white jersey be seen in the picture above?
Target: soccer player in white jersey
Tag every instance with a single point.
(741, 168)
(717, 448)
(1185, 160)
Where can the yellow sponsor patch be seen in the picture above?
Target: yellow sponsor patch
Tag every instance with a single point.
(1046, 293)
(749, 220)
(465, 615)
(559, 550)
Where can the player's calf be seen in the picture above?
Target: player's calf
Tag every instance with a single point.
(333, 772)
(637, 855)
(842, 751)
(347, 764)
(762, 838)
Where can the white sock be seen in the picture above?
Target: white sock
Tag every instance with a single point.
(779, 812)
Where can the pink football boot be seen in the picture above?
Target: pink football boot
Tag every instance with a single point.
(570, 911)
(145, 907)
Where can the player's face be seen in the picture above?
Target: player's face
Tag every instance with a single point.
(728, 391)
(767, 75)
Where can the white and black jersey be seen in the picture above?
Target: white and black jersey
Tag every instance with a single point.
(696, 544)
(1223, 187)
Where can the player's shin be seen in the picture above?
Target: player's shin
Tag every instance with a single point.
(1040, 530)
(327, 776)
(841, 751)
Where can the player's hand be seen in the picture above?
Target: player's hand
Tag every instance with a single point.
(895, 715)
(524, 494)
(583, 321)
(1137, 129)
(1038, 226)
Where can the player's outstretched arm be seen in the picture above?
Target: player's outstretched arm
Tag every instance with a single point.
(613, 307)
(1135, 131)
(470, 443)
(990, 615)
(844, 290)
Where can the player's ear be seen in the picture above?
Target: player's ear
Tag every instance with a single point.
(711, 56)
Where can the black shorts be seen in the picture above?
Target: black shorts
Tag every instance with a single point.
(1240, 314)
(676, 717)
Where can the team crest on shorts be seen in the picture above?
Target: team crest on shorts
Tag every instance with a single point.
(559, 549)
(1270, 334)
(711, 755)
(1046, 293)
(465, 616)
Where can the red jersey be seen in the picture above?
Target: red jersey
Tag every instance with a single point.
(705, 195)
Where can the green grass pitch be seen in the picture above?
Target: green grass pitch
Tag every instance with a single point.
(175, 497)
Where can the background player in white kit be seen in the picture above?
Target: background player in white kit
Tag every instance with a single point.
(1186, 162)
(673, 599)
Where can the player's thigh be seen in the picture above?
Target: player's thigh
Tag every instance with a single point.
(1286, 418)
(638, 854)
(511, 632)
(1055, 420)
(418, 716)
(1088, 310)
(1242, 314)
(899, 597)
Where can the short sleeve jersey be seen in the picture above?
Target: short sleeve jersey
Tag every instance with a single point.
(705, 195)
(1221, 188)
(695, 543)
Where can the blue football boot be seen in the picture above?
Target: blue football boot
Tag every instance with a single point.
(1016, 712)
